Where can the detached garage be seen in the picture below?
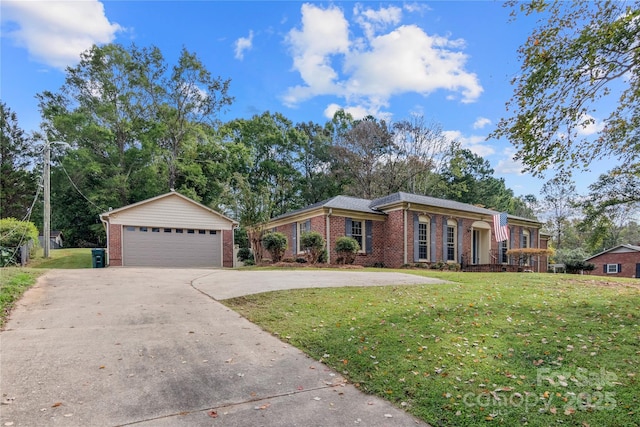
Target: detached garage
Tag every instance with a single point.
(170, 230)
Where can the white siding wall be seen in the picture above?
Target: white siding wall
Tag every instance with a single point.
(173, 212)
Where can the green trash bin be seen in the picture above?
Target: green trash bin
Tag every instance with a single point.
(97, 255)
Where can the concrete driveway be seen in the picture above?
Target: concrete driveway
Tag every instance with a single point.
(153, 347)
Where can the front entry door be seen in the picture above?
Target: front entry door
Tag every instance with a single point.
(475, 247)
(638, 270)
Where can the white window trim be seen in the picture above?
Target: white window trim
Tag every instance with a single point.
(363, 234)
(301, 229)
(453, 224)
(423, 219)
(615, 269)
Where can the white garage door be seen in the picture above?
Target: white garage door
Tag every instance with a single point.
(171, 247)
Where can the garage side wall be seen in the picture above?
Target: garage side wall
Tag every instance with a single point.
(227, 248)
(114, 246)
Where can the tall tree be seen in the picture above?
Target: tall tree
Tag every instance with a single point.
(188, 98)
(17, 178)
(468, 178)
(580, 62)
(273, 165)
(559, 195)
(604, 214)
(359, 148)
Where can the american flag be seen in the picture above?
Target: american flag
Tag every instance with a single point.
(500, 229)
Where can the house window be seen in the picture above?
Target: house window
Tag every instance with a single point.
(451, 240)
(423, 238)
(155, 230)
(167, 230)
(612, 268)
(143, 229)
(356, 232)
(131, 229)
(525, 239)
(212, 231)
(202, 231)
(189, 231)
(179, 230)
(504, 247)
(303, 227)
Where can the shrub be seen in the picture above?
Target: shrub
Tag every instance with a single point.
(312, 243)
(347, 248)
(13, 234)
(244, 254)
(276, 244)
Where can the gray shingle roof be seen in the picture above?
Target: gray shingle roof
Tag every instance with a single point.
(376, 206)
(337, 202)
(428, 201)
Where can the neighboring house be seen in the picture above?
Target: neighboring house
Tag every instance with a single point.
(55, 239)
(405, 228)
(170, 230)
(619, 261)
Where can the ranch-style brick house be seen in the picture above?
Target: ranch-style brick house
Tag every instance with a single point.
(619, 261)
(405, 228)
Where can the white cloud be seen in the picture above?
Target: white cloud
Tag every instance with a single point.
(373, 21)
(508, 165)
(481, 122)
(404, 60)
(56, 33)
(242, 44)
(475, 143)
(589, 125)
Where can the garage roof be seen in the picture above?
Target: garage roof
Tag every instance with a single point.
(170, 209)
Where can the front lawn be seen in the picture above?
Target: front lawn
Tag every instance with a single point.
(63, 258)
(13, 282)
(508, 349)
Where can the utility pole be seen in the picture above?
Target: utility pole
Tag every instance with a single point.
(46, 232)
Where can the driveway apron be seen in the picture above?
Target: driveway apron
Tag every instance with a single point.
(152, 347)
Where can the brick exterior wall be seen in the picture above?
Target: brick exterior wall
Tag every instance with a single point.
(389, 244)
(393, 230)
(628, 261)
(114, 257)
(227, 248)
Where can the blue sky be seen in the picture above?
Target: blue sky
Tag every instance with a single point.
(450, 61)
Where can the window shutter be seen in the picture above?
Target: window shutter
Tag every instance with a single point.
(511, 238)
(368, 225)
(521, 238)
(604, 268)
(500, 251)
(294, 237)
(416, 249)
(459, 246)
(433, 239)
(444, 238)
(347, 227)
(619, 268)
(308, 225)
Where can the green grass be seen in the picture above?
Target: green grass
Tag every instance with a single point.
(13, 283)
(491, 349)
(63, 258)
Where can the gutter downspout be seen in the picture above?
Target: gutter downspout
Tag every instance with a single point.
(328, 234)
(106, 229)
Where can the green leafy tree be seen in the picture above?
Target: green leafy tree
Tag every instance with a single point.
(17, 178)
(184, 101)
(559, 196)
(468, 178)
(579, 64)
